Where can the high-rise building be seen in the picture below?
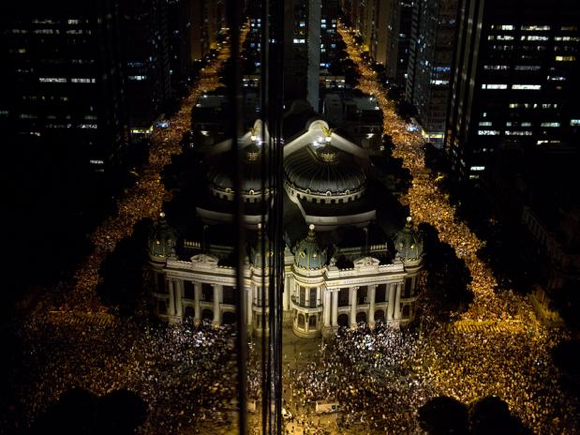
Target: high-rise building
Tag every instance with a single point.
(302, 50)
(146, 53)
(207, 18)
(431, 52)
(61, 78)
(515, 68)
(385, 28)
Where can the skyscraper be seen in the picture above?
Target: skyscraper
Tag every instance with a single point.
(146, 61)
(302, 50)
(515, 67)
(431, 52)
(62, 79)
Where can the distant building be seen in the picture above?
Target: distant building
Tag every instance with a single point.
(515, 69)
(302, 46)
(431, 52)
(146, 51)
(61, 77)
(385, 29)
(207, 19)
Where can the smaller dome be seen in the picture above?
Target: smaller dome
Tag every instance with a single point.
(221, 176)
(308, 254)
(163, 239)
(408, 242)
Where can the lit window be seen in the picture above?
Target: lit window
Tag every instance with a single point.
(569, 28)
(82, 80)
(550, 124)
(91, 126)
(72, 22)
(478, 168)
(504, 37)
(488, 132)
(137, 78)
(565, 58)
(556, 78)
(528, 67)
(537, 28)
(97, 162)
(567, 38)
(534, 38)
(496, 67)
(485, 123)
(493, 86)
(527, 87)
(518, 133)
(52, 80)
(299, 41)
(575, 122)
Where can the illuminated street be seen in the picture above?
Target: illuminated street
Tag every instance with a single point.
(379, 378)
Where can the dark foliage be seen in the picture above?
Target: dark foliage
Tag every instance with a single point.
(444, 415)
(448, 276)
(122, 271)
(80, 412)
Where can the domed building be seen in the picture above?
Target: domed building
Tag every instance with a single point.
(344, 263)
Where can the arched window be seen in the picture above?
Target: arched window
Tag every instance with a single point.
(301, 320)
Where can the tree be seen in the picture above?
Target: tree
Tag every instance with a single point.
(491, 416)
(567, 302)
(566, 356)
(81, 412)
(444, 415)
(448, 276)
(122, 271)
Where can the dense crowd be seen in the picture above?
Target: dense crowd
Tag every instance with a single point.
(186, 373)
(514, 362)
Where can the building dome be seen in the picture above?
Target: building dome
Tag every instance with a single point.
(322, 170)
(408, 242)
(163, 239)
(221, 177)
(308, 254)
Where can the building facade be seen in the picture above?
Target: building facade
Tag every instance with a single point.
(344, 271)
(431, 52)
(62, 82)
(515, 67)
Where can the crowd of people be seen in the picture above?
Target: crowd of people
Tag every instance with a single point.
(512, 362)
(187, 374)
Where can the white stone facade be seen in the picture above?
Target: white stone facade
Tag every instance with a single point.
(315, 301)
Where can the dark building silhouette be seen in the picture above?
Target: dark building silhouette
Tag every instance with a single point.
(62, 78)
(515, 72)
(431, 52)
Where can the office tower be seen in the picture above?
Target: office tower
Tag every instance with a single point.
(179, 43)
(207, 18)
(329, 37)
(515, 68)
(431, 52)
(61, 79)
(302, 50)
(146, 53)
(385, 28)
